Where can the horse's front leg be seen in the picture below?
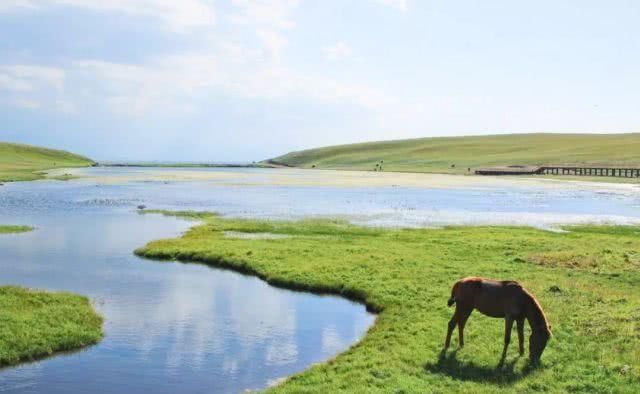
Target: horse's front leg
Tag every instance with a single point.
(520, 327)
(508, 325)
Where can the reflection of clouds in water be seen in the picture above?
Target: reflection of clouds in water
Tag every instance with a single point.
(331, 340)
(279, 353)
(21, 379)
(182, 311)
(264, 316)
(69, 238)
(427, 218)
(249, 316)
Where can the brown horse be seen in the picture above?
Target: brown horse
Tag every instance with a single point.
(506, 299)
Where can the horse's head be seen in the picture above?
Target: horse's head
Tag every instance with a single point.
(537, 342)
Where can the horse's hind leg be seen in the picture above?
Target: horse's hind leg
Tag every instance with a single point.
(520, 323)
(508, 326)
(450, 327)
(462, 320)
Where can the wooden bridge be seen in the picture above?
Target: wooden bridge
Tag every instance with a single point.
(624, 172)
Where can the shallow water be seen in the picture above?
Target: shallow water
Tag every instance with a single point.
(387, 199)
(170, 327)
(174, 327)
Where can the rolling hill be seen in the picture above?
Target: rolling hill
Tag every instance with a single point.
(458, 154)
(23, 162)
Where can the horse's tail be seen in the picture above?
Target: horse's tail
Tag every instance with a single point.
(452, 300)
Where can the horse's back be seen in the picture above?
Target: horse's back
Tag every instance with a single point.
(495, 298)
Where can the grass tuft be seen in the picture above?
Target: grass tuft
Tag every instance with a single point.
(37, 324)
(9, 229)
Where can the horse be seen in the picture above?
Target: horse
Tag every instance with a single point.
(507, 299)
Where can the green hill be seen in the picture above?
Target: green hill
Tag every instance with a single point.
(23, 162)
(440, 154)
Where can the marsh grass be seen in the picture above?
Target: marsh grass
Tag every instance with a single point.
(37, 324)
(10, 229)
(406, 274)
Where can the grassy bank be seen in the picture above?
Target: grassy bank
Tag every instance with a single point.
(24, 162)
(586, 279)
(439, 154)
(8, 229)
(36, 324)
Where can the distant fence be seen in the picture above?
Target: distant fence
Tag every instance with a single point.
(623, 172)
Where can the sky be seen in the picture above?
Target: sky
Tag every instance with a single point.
(244, 80)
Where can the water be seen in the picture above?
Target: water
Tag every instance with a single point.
(174, 327)
(170, 327)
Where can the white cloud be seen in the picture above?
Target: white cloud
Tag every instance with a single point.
(10, 82)
(6, 5)
(402, 5)
(34, 87)
(227, 64)
(275, 14)
(273, 41)
(174, 82)
(26, 103)
(177, 15)
(268, 18)
(23, 78)
(338, 51)
(64, 106)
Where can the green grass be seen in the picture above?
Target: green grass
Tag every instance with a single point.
(36, 324)
(24, 162)
(439, 154)
(8, 229)
(587, 281)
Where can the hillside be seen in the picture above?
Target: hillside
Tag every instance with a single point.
(440, 154)
(23, 162)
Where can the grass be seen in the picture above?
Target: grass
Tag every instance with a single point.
(586, 279)
(25, 163)
(36, 324)
(9, 229)
(439, 154)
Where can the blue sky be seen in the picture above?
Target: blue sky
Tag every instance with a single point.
(242, 80)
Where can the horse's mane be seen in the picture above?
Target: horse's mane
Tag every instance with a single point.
(538, 314)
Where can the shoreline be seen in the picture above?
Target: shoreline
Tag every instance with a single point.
(259, 165)
(343, 178)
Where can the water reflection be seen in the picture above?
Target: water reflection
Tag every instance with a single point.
(170, 327)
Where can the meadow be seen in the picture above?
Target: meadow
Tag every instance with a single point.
(456, 155)
(586, 280)
(20, 162)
